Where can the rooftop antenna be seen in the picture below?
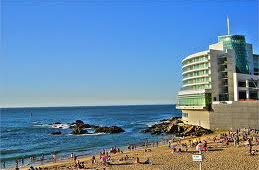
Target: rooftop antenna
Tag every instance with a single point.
(228, 25)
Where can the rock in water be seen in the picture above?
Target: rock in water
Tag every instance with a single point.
(56, 133)
(78, 131)
(176, 126)
(112, 129)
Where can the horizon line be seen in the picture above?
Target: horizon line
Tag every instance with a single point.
(58, 106)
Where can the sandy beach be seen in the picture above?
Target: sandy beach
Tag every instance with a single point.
(218, 156)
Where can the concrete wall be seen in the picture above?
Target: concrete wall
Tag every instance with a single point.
(239, 114)
(232, 114)
(197, 117)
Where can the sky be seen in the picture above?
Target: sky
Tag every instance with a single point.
(76, 52)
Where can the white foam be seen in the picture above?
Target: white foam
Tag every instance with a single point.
(60, 126)
(151, 123)
(89, 134)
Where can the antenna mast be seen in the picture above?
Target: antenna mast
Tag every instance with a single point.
(228, 25)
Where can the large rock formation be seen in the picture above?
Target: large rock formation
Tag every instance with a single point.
(56, 133)
(79, 128)
(78, 131)
(177, 127)
(112, 129)
(80, 124)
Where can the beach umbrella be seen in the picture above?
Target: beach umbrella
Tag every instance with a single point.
(199, 147)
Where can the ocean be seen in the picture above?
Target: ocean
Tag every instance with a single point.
(25, 131)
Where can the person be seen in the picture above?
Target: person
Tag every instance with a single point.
(93, 160)
(22, 161)
(237, 140)
(205, 146)
(54, 157)
(4, 164)
(31, 159)
(42, 159)
(137, 160)
(250, 145)
(148, 161)
(157, 144)
(17, 164)
(75, 158)
(72, 156)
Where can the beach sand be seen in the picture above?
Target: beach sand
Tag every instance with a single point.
(218, 157)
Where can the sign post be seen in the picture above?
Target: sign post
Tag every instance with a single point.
(197, 158)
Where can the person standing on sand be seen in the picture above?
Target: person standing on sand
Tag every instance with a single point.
(75, 158)
(72, 156)
(4, 164)
(93, 160)
(22, 161)
(250, 145)
(17, 164)
(42, 159)
(237, 140)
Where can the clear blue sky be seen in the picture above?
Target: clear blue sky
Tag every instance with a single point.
(108, 52)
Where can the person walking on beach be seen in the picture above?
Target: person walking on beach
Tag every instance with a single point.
(22, 161)
(4, 164)
(75, 157)
(42, 159)
(17, 164)
(54, 157)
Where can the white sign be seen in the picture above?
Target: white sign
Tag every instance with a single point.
(197, 157)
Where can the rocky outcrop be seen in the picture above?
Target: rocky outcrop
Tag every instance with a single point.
(56, 133)
(78, 131)
(79, 127)
(177, 127)
(112, 129)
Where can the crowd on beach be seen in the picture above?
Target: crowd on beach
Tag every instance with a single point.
(240, 137)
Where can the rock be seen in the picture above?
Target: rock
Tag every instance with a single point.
(57, 123)
(78, 131)
(56, 133)
(172, 128)
(79, 122)
(176, 126)
(112, 129)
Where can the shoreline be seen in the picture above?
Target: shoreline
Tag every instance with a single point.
(219, 156)
(140, 146)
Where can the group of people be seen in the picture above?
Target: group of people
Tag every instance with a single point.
(240, 137)
(246, 137)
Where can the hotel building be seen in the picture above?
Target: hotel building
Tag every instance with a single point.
(220, 85)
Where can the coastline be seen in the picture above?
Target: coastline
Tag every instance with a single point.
(220, 157)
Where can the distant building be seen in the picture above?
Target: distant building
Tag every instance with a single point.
(220, 85)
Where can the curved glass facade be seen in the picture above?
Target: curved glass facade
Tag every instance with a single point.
(238, 44)
(202, 99)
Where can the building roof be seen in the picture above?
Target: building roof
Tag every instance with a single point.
(196, 55)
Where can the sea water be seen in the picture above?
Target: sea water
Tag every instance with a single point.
(26, 131)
